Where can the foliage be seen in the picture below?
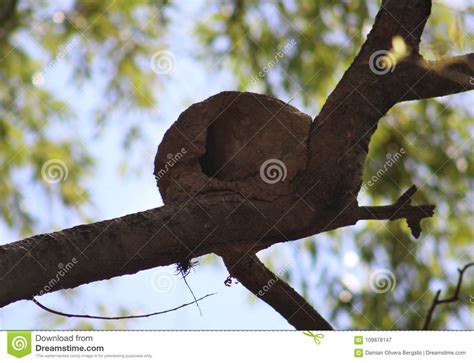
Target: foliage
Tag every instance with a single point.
(113, 38)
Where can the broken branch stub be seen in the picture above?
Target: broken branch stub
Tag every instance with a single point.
(241, 142)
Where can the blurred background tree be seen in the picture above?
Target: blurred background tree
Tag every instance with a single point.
(292, 49)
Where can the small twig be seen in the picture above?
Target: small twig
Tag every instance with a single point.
(115, 317)
(184, 268)
(192, 293)
(437, 301)
(401, 209)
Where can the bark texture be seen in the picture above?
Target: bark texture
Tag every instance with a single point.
(277, 293)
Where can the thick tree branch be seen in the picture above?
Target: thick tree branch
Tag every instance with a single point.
(453, 298)
(157, 237)
(404, 18)
(424, 79)
(263, 283)
(343, 135)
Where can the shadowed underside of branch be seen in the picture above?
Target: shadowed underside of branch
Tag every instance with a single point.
(322, 197)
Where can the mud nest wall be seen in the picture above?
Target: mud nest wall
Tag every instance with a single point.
(233, 141)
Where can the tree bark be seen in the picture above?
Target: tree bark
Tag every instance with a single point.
(126, 245)
(264, 284)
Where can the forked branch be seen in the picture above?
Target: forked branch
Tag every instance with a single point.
(401, 209)
(453, 298)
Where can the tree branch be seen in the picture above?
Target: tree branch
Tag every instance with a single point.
(126, 245)
(426, 79)
(404, 18)
(401, 209)
(454, 298)
(160, 237)
(342, 135)
(263, 283)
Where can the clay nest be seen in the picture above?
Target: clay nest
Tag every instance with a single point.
(242, 142)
